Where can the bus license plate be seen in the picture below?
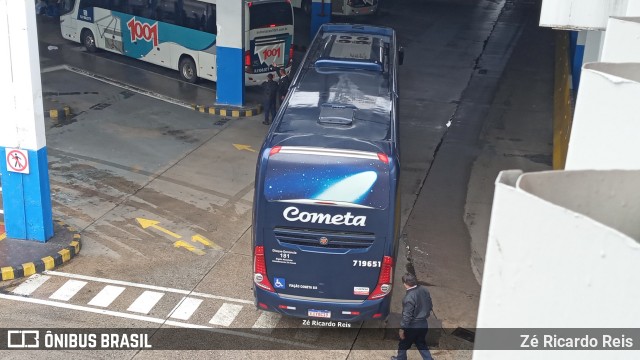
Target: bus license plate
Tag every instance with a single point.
(319, 313)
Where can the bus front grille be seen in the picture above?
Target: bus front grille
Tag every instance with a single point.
(323, 238)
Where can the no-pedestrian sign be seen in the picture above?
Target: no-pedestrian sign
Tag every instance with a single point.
(17, 160)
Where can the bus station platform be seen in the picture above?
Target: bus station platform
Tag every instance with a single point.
(21, 258)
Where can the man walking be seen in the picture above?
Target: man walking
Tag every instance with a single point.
(270, 92)
(416, 307)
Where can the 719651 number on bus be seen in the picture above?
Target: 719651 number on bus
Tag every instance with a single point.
(366, 263)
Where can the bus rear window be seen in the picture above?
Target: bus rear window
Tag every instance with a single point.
(270, 14)
(314, 179)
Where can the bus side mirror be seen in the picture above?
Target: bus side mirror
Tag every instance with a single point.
(400, 56)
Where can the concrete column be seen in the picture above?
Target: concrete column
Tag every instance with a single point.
(605, 129)
(558, 244)
(320, 14)
(622, 40)
(230, 52)
(26, 196)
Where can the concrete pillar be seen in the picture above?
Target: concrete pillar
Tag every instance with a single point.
(559, 244)
(622, 40)
(26, 196)
(605, 129)
(230, 52)
(320, 14)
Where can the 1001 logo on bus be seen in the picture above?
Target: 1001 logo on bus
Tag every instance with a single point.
(266, 53)
(143, 31)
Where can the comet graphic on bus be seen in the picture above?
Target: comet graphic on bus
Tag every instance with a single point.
(143, 31)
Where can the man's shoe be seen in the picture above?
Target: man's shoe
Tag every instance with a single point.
(266, 123)
(394, 358)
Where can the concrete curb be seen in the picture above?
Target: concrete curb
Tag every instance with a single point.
(60, 112)
(225, 110)
(47, 262)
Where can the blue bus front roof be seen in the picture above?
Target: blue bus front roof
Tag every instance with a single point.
(343, 90)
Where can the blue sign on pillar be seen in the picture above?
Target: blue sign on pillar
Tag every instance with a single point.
(229, 49)
(320, 14)
(26, 195)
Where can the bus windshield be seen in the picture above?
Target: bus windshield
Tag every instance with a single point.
(270, 15)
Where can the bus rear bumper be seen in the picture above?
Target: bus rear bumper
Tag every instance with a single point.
(350, 312)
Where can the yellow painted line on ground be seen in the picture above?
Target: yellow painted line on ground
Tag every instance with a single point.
(146, 223)
(243, 147)
(182, 244)
(204, 241)
(3, 236)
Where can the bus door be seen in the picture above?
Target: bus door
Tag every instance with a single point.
(328, 220)
(270, 37)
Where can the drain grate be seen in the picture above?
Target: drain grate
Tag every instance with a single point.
(464, 334)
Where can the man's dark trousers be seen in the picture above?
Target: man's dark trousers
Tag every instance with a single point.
(269, 108)
(414, 336)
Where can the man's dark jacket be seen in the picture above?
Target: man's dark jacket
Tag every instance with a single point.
(416, 307)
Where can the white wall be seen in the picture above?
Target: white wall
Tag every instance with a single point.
(584, 14)
(606, 122)
(622, 40)
(563, 252)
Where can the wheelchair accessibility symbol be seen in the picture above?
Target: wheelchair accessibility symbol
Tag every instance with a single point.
(279, 283)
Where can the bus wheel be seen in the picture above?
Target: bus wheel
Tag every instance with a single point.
(88, 40)
(306, 6)
(187, 70)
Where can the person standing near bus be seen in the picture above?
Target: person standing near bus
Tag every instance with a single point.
(283, 85)
(416, 307)
(270, 92)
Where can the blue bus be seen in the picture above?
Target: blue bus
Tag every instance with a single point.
(181, 34)
(326, 217)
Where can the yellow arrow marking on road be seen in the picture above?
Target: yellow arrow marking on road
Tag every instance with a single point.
(146, 223)
(3, 234)
(243, 147)
(182, 244)
(204, 241)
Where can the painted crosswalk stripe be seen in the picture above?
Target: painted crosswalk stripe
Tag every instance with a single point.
(145, 302)
(68, 290)
(31, 284)
(106, 296)
(185, 308)
(226, 314)
(266, 322)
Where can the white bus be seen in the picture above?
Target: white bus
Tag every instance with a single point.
(181, 34)
(342, 7)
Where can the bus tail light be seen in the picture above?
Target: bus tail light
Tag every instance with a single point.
(384, 280)
(383, 157)
(260, 270)
(286, 307)
(247, 61)
(274, 150)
